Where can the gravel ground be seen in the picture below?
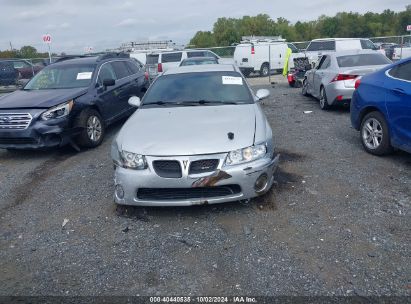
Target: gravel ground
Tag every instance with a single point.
(337, 221)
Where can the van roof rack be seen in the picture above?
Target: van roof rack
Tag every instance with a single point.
(256, 39)
(113, 55)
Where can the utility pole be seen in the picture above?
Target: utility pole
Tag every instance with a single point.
(11, 46)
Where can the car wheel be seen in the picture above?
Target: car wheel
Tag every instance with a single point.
(264, 70)
(323, 100)
(292, 84)
(305, 88)
(374, 134)
(246, 73)
(93, 130)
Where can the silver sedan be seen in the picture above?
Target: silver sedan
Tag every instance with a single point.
(333, 79)
(199, 136)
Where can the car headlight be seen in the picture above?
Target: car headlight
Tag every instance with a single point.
(132, 160)
(246, 155)
(59, 111)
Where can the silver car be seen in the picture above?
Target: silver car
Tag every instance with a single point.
(333, 78)
(199, 136)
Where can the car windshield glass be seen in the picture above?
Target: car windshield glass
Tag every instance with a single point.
(212, 87)
(362, 60)
(152, 59)
(199, 62)
(321, 46)
(62, 77)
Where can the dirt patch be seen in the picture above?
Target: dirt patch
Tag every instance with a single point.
(32, 180)
(288, 156)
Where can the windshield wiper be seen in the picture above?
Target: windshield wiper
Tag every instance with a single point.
(203, 102)
(158, 103)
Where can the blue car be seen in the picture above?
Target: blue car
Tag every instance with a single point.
(71, 102)
(381, 109)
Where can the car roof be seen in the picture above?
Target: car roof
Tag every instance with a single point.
(84, 60)
(355, 52)
(200, 58)
(338, 39)
(201, 68)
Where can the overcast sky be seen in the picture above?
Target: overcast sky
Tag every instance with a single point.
(75, 24)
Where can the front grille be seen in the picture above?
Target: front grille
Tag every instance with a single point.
(17, 141)
(14, 121)
(167, 168)
(172, 194)
(203, 166)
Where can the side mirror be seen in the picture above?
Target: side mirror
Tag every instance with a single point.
(134, 101)
(262, 94)
(108, 82)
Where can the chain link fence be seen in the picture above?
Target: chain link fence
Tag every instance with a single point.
(395, 47)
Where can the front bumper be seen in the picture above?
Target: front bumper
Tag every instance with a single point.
(244, 176)
(38, 134)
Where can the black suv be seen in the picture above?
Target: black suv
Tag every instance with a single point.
(71, 101)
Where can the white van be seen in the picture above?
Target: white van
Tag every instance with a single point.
(319, 47)
(254, 56)
(160, 62)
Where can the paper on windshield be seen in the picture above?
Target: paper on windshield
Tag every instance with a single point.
(84, 75)
(232, 80)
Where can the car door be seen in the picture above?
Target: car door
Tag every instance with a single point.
(398, 103)
(138, 84)
(107, 96)
(320, 73)
(124, 84)
(311, 76)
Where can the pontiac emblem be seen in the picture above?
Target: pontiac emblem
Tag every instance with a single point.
(185, 163)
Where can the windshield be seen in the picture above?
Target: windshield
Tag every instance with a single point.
(209, 87)
(199, 61)
(152, 59)
(62, 77)
(362, 60)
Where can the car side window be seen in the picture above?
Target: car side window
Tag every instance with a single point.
(320, 63)
(120, 68)
(326, 63)
(171, 57)
(368, 45)
(20, 64)
(196, 54)
(106, 72)
(402, 71)
(133, 67)
(211, 54)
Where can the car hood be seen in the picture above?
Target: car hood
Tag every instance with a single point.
(39, 98)
(188, 130)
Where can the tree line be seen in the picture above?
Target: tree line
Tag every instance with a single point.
(26, 51)
(227, 31)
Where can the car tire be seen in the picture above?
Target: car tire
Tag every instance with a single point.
(264, 70)
(323, 100)
(375, 136)
(246, 73)
(304, 89)
(292, 84)
(93, 129)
